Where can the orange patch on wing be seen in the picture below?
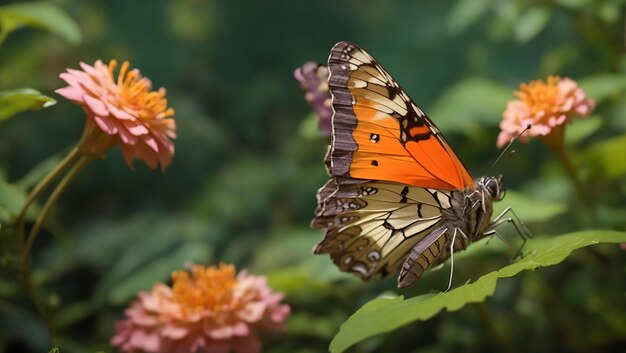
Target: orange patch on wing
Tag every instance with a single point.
(432, 156)
(381, 155)
(419, 130)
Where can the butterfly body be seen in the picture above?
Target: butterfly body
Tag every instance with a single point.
(399, 199)
(467, 219)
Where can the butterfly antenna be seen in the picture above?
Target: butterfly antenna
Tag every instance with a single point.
(507, 147)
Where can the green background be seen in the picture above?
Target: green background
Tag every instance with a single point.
(248, 162)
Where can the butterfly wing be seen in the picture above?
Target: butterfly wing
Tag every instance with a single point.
(372, 226)
(379, 133)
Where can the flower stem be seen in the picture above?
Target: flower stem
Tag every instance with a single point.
(70, 158)
(50, 202)
(25, 268)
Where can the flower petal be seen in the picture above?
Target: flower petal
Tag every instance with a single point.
(95, 105)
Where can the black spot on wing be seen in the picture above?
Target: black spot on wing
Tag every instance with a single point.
(404, 192)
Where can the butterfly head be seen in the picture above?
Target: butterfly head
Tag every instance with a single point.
(492, 186)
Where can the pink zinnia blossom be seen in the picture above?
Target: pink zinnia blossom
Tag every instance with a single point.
(210, 310)
(123, 111)
(546, 106)
(313, 78)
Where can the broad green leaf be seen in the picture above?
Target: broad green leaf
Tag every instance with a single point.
(604, 86)
(12, 199)
(531, 23)
(41, 15)
(16, 101)
(465, 13)
(470, 104)
(386, 314)
(527, 209)
(606, 158)
(580, 129)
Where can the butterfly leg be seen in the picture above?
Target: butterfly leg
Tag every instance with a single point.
(520, 227)
(464, 241)
(492, 232)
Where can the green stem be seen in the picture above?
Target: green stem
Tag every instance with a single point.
(54, 196)
(32, 236)
(69, 159)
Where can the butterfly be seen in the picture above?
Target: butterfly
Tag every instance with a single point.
(399, 199)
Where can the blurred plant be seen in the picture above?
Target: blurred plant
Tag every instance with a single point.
(313, 78)
(125, 112)
(12, 17)
(546, 107)
(208, 310)
(38, 15)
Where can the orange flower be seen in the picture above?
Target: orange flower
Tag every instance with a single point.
(208, 310)
(123, 111)
(546, 106)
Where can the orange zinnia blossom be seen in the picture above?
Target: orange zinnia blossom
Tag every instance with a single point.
(211, 309)
(546, 106)
(122, 110)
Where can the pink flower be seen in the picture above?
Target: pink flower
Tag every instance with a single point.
(313, 78)
(125, 111)
(211, 310)
(546, 106)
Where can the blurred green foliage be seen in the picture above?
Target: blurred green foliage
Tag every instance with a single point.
(242, 185)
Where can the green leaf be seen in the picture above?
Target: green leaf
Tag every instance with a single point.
(602, 87)
(386, 314)
(471, 104)
(16, 101)
(531, 23)
(465, 13)
(54, 350)
(41, 15)
(529, 210)
(12, 199)
(606, 158)
(580, 129)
